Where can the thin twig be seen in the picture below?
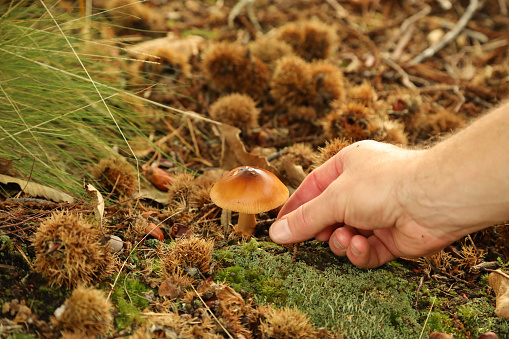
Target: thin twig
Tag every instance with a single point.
(410, 22)
(462, 22)
(427, 317)
(503, 7)
(341, 12)
(405, 80)
(417, 292)
(405, 39)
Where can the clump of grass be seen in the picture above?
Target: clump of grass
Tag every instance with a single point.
(54, 120)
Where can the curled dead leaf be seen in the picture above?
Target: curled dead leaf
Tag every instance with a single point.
(499, 281)
(97, 202)
(234, 154)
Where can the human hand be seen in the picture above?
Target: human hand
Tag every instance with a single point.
(357, 201)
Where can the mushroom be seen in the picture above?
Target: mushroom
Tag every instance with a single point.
(248, 190)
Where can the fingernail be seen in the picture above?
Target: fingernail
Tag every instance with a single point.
(354, 250)
(336, 244)
(280, 232)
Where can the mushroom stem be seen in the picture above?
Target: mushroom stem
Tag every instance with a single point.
(246, 225)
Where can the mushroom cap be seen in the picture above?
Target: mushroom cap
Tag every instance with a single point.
(249, 190)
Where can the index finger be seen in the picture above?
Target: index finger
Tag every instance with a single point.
(314, 184)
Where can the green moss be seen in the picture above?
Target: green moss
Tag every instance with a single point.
(6, 243)
(360, 303)
(478, 316)
(200, 32)
(22, 336)
(129, 299)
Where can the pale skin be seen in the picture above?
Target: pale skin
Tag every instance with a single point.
(375, 202)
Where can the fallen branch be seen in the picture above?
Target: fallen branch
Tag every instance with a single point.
(462, 22)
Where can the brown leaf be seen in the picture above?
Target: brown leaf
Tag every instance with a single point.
(37, 190)
(187, 47)
(6, 167)
(499, 281)
(294, 173)
(97, 202)
(234, 154)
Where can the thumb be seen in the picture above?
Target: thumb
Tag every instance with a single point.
(309, 219)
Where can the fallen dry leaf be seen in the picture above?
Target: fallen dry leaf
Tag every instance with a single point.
(187, 47)
(294, 173)
(97, 202)
(37, 190)
(6, 167)
(234, 154)
(499, 281)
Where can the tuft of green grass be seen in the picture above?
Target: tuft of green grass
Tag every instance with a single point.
(54, 122)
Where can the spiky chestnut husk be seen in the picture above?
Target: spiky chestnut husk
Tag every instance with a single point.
(236, 109)
(269, 50)
(327, 82)
(309, 39)
(129, 14)
(234, 314)
(330, 149)
(230, 67)
(116, 175)
(394, 133)
(286, 323)
(68, 251)
(364, 94)
(172, 325)
(352, 121)
(443, 121)
(190, 254)
(407, 108)
(291, 82)
(87, 310)
(162, 62)
(180, 190)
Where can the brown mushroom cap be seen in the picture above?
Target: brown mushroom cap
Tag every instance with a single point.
(249, 190)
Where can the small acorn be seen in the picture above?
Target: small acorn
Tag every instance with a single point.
(157, 176)
(237, 110)
(87, 311)
(230, 67)
(69, 251)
